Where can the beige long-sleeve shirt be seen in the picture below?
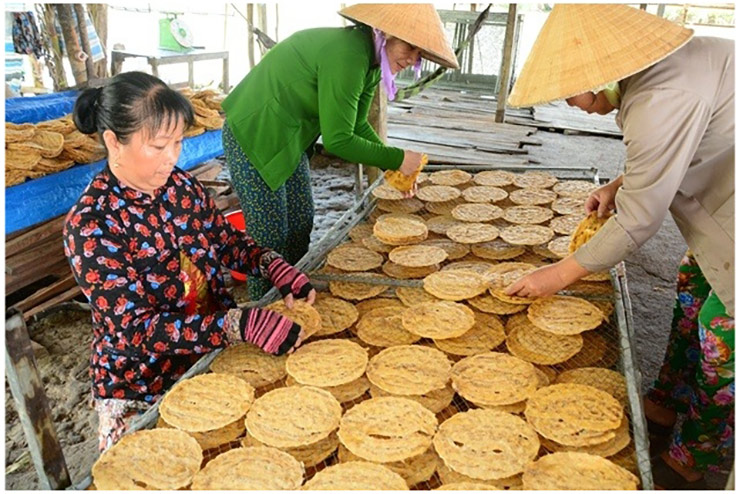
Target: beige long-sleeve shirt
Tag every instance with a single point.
(678, 121)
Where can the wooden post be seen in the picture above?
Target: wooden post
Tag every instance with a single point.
(506, 67)
(277, 22)
(262, 25)
(72, 42)
(471, 46)
(262, 11)
(225, 78)
(643, 6)
(377, 117)
(250, 34)
(38, 81)
(84, 40)
(57, 60)
(661, 10)
(32, 405)
(99, 17)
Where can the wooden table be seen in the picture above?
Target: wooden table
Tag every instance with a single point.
(159, 57)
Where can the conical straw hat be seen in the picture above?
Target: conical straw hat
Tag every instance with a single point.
(415, 23)
(584, 46)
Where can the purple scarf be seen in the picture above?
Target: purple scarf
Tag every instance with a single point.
(388, 78)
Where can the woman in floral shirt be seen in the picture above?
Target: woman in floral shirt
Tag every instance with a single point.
(146, 245)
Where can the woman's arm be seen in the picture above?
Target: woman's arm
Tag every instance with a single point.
(341, 84)
(662, 130)
(125, 301)
(239, 252)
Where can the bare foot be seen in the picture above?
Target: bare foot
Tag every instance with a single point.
(689, 474)
(659, 414)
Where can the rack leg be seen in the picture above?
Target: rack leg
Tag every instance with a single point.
(32, 405)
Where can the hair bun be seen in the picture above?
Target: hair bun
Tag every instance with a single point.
(85, 113)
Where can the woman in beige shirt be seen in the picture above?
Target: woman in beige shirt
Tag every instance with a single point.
(675, 102)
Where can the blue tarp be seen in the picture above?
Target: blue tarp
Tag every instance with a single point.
(41, 199)
(39, 108)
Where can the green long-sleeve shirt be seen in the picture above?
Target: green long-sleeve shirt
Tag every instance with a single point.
(317, 81)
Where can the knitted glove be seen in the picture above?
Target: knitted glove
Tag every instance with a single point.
(272, 332)
(285, 277)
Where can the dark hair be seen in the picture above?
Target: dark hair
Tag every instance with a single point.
(129, 102)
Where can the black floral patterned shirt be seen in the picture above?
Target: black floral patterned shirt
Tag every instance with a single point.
(127, 250)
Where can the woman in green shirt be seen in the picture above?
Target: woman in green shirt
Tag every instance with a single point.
(319, 82)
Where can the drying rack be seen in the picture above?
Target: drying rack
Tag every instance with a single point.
(618, 331)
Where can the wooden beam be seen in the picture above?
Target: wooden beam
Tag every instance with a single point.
(34, 235)
(32, 405)
(65, 296)
(506, 67)
(46, 293)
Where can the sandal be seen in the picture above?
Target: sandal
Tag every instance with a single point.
(666, 478)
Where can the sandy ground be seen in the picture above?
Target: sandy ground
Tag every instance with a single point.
(66, 335)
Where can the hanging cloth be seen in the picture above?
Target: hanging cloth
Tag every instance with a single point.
(26, 38)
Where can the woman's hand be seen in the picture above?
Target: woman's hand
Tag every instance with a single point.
(548, 280)
(602, 199)
(411, 162)
(542, 282)
(412, 192)
(290, 282)
(271, 331)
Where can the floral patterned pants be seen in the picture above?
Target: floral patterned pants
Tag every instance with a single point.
(114, 418)
(281, 220)
(698, 373)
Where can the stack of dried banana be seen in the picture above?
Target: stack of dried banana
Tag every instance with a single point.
(35, 150)
(207, 106)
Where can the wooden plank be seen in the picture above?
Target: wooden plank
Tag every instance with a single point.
(207, 171)
(456, 138)
(560, 115)
(37, 258)
(46, 293)
(15, 282)
(65, 296)
(32, 405)
(31, 236)
(459, 121)
(444, 154)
